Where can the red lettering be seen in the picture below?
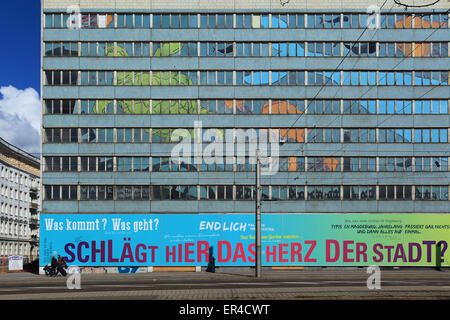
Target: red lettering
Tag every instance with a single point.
(311, 249)
(361, 249)
(271, 253)
(346, 250)
(389, 249)
(251, 249)
(180, 252)
(400, 253)
(202, 249)
(127, 253)
(171, 253)
(110, 252)
(219, 251)
(378, 253)
(328, 257)
(152, 249)
(239, 253)
(144, 254)
(187, 252)
(296, 250)
(282, 252)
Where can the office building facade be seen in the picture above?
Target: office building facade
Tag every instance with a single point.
(352, 95)
(19, 202)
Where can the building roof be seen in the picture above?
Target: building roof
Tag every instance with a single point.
(17, 152)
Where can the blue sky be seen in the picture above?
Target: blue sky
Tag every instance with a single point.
(20, 74)
(20, 50)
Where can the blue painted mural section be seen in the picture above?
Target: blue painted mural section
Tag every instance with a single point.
(152, 239)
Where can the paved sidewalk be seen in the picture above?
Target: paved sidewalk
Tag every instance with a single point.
(221, 272)
(232, 284)
(242, 273)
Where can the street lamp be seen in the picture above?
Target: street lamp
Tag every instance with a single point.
(258, 217)
(258, 213)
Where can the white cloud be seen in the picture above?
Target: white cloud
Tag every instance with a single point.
(20, 118)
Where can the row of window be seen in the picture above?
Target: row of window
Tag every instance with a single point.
(15, 229)
(16, 177)
(281, 164)
(247, 21)
(245, 192)
(237, 78)
(13, 211)
(283, 135)
(16, 249)
(246, 49)
(251, 106)
(13, 193)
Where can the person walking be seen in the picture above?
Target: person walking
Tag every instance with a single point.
(212, 261)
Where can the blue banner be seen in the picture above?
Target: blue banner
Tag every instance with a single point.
(287, 239)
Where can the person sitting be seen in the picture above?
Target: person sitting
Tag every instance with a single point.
(54, 262)
(61, 265)
(51, 270)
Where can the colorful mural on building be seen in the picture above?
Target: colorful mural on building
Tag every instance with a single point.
(287, 239)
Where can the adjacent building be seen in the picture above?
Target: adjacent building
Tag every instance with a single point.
(19, 202)
(355, 93)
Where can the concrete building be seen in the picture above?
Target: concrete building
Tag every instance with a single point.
(356, 92)
(19, 202)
